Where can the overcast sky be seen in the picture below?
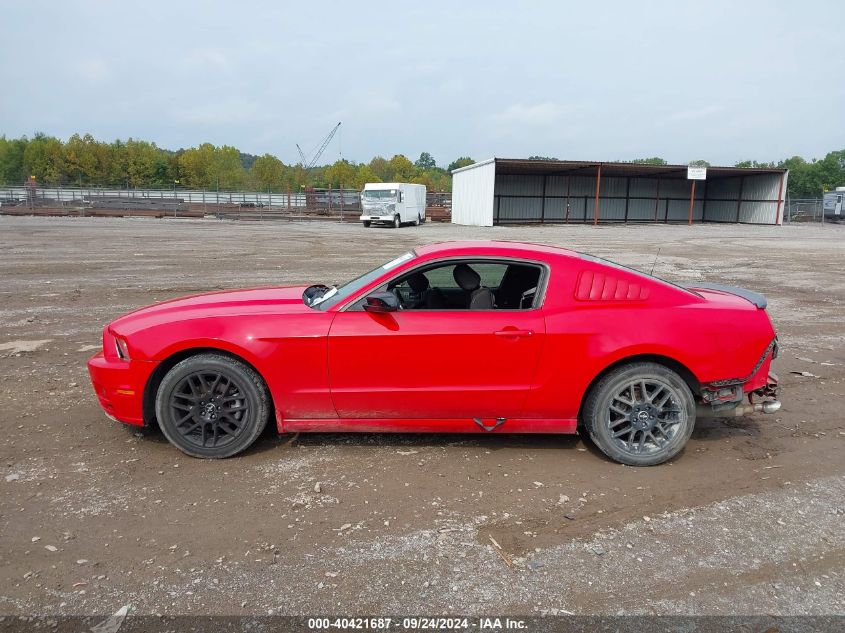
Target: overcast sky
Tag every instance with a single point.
(722, 81)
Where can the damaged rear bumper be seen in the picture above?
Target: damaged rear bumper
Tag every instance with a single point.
(727, 398)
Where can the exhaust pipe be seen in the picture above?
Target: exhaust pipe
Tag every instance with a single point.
(769, 406)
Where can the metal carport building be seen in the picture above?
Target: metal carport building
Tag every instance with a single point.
(519, 191)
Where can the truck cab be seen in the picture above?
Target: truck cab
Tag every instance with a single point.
(392, 204)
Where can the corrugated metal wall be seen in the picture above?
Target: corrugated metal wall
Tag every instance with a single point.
(472, 194)
(520, 199)
(763, 187)
(723, 199)
(752, 199)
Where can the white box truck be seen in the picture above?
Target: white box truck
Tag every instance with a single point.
(392, 203)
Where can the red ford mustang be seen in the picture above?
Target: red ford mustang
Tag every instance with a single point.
(466, 337)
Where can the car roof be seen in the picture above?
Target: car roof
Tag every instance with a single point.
(506, 248)
(493, 247)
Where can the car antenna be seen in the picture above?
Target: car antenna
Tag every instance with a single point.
(651, 272)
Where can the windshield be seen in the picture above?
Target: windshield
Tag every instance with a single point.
(334, 295)
(379, 194)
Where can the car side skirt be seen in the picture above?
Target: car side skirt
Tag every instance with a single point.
(446, 425)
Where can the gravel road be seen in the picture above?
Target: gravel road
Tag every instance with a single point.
(93, 515)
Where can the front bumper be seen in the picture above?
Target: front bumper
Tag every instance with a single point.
(377, 218)
(119, 385)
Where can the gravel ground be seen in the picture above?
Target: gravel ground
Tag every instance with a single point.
(93, 515)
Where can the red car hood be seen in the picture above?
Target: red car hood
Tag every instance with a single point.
(221, 303)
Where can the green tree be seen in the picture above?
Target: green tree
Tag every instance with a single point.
(810, 179)
(655, 160)
(381, 168)
(142, 164)
(269, 173)
(86, 161)
(341, 174)
(228, 167)
(401, 168)
(364, 175)
(11, 160)
(44, 159)
(162, 170)
(197, 167)
(209, 167)
(832, 170)
(753, 163)
(463, 161)
(425, 161)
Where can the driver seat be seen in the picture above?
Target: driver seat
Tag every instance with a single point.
(478, 297)
(420, 291)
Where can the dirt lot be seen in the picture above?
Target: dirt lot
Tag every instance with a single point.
(93, 515)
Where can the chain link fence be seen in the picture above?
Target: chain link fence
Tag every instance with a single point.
(804, 210)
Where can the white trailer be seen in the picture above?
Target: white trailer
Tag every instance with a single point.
(392, 203)
(834, 205)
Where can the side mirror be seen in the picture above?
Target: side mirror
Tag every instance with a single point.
(381, 302)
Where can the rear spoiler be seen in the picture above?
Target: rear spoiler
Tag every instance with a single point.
(754, 297)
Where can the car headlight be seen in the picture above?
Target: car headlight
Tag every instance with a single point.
(121, 347)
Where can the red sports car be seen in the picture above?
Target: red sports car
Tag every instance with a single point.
(464, 337)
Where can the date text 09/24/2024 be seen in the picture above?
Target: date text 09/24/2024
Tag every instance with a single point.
(417, 623)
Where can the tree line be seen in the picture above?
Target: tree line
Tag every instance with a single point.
(807, 178)
(85, 161)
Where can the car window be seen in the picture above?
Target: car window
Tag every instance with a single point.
(444, 277)
(506, 286)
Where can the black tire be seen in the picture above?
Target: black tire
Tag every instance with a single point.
(640, 414)
(212, 406)
(396, 222)
(366, 224)
(422, 219)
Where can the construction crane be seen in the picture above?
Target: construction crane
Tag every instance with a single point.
(308, 164)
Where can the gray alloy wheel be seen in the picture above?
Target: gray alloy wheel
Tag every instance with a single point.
(640, 414)
(212, 406)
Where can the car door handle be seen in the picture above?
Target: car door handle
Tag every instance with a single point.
(514, 332)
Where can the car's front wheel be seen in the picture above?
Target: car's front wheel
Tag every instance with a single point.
(212, 406)
(640, 414)
(397, 222)
(366, 224)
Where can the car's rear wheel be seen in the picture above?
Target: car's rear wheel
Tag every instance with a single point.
(212, 406)
(640, 414)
